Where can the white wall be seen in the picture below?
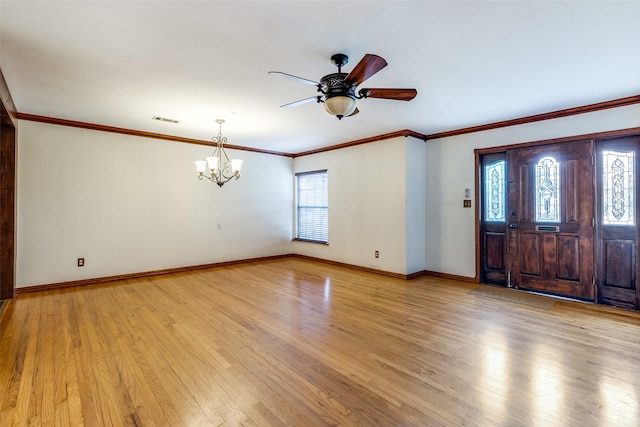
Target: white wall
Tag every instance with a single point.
(368, 204)
(415, 210)
(450, 228)
(130, 204)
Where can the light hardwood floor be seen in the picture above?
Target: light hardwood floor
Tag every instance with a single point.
(296, 342)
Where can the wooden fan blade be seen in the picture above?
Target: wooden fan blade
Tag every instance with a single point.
(294, 78)
(367, 67)
(356, 111)
(302, 101)
(397, 94)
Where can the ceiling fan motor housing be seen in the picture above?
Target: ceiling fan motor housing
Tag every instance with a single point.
(334, 85)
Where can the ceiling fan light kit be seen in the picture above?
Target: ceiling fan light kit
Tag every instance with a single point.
(340, 106)
(338, 90)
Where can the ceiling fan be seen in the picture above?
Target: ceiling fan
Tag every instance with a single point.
(338, 90)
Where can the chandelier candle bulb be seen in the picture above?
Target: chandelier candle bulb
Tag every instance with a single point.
(201, 165)
(213, 163)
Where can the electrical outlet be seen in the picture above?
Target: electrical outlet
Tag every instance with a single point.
(80, 262)
(377, 254)
(466, 203)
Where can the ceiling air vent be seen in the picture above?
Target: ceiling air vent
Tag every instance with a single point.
(164, 119)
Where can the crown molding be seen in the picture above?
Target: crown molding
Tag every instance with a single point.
(590, 108)
(124, 131)
(405, 133)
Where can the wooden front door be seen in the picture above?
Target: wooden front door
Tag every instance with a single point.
(537, 219)
(617, 217)
(550, 219)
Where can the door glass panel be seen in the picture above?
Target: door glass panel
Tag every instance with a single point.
(618, 176)
(547, 191)
(494, 190)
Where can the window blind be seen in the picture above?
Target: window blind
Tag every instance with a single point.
(312, 206)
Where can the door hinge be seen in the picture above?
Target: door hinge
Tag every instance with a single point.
(593, 161)
(593, 222)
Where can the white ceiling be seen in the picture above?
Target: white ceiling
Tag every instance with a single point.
(119, 63)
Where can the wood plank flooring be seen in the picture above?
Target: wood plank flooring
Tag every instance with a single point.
(300, 343)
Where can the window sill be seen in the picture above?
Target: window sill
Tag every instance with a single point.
(312, 241)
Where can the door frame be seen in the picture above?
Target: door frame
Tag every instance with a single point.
(479, 152)
(8, 133)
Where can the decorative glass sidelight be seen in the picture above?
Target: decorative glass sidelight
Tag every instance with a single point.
(547, 190)
(618, 178)
(494, 190)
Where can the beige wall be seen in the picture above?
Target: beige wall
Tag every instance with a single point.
(450, 235)
(130, 204)
(371, 207)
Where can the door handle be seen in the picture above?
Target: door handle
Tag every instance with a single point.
(512, 225)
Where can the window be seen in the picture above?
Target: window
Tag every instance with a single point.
(312, 206)
(547, 190)
(494, 191)
(618, 178)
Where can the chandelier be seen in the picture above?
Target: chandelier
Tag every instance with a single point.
(221, 169)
